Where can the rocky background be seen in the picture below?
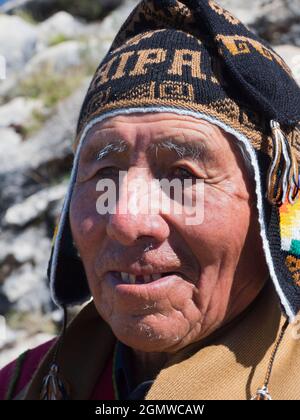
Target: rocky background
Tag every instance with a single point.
(52, 48)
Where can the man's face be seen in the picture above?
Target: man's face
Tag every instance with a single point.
(159, 282)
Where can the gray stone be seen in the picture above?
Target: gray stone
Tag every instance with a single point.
(43, 9)
(56, 59)
(292, 36)
(9, 142)
(37, 297)
(8, 337)
(8, 6)
(20, 282)
(31, 246)
(23, 264)
(18, 111)
(270, 10)
(34, 206)
(35, 163)
(17, 42)
(247, 12)
(291, 55)
(7, 86)
(61, 24)
(108, 27)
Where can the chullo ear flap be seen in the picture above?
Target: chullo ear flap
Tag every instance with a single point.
(66, 272)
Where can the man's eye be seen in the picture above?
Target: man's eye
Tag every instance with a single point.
(181, 173)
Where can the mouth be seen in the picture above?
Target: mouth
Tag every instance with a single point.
(129, 278)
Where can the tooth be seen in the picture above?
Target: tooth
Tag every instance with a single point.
(132, 278)
(124, 277)
(156, 276)
(147, 279)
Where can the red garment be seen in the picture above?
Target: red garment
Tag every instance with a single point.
(31, 362)
(102, 391)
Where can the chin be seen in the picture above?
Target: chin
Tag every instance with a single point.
(145, 345)
(143, 336)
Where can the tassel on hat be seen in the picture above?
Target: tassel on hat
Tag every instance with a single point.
(283, 174)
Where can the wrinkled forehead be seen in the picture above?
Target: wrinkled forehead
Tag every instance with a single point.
(184, 135)
(156, 123)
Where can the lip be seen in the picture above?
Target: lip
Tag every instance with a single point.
(141, 288)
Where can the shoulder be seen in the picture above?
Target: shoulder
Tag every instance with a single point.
(16, 375)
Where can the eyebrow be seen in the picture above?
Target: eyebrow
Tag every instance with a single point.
(118, 146)
(192, 150)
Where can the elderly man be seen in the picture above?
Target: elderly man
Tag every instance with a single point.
(183, 307)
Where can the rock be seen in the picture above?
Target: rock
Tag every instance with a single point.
(100, 35)
(292, 36)
(26, 288)
(85, 52)
(6, 87)
(62, 26)
(18, 111)
(108, 27)
(56, 59)
(7, 337)
(53, 142)
(23, 271)
(2, 68)
(31, 246)
(275, 20)
(4, 306)
(9, 142)
(8, 6)
(270, 10)
(43, 9)
(247, 12)
(20, 47)
(46, 156)
(291, 55)
(34, 206)
(23, 265)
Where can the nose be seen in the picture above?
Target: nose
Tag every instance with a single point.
(137, 213)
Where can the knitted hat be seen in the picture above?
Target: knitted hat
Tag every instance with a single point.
(194, 58)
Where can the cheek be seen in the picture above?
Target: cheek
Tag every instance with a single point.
(226, 219)
(223, 230)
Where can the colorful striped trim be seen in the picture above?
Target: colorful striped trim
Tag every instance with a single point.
(290, 227)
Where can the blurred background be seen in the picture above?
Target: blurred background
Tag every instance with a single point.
(51, 49)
